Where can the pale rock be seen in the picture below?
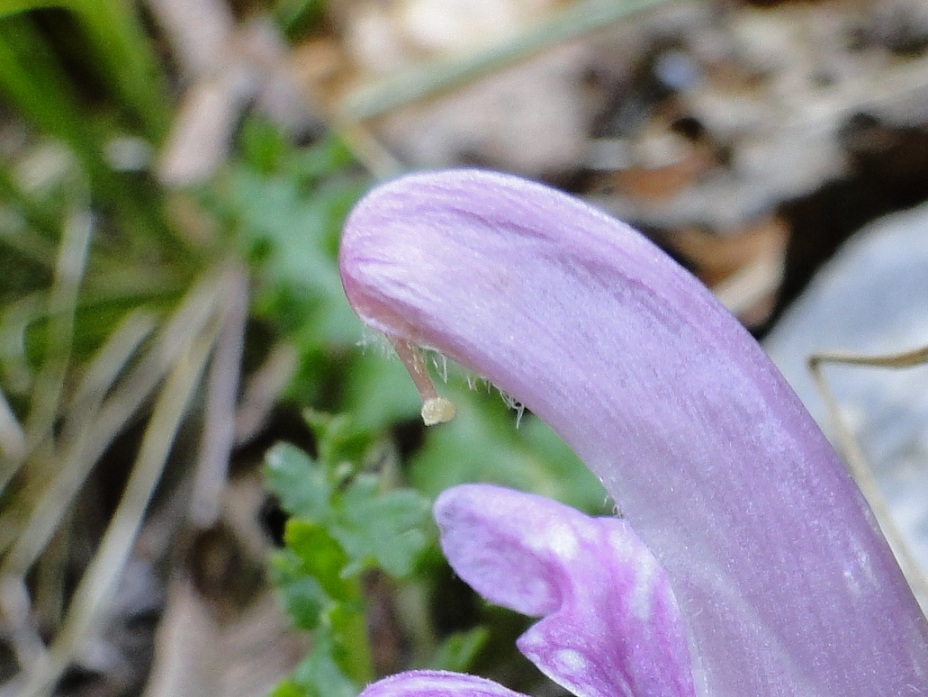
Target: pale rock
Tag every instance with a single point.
(872, 298)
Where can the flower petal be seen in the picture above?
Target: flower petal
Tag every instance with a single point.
(611, 627)
(784, 580)
(433, 683)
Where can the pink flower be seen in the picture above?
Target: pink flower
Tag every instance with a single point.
(784, 583)
(611, 626)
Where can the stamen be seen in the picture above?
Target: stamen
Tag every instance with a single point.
(435, 409)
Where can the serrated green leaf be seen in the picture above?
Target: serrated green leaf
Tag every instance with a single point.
(303, 596)
(290, 222)
(333, 432)
(321, 557)
(298, 481)
(382, 528)
(275, 210)
(303, 602)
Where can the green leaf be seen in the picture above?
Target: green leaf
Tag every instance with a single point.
(263, 146)
(344, 524)
(458, 652)
(290, 223)
(288, 688)
(275, 212)
(314, 165)
(385, 529)
(9, 7)
(295, 17)
(303, 597)
(298, 481)
(320, 673)
(337, 437)
(321, 557)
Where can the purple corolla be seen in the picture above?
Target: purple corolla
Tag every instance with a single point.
(782, 580)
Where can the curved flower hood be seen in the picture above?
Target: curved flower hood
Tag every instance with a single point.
(785, 584)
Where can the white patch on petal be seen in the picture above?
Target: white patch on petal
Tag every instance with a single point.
(558, 538)
(619, 541)
(647, 572)
(589, 534)
(852, 585)
(571, 662)
(864, 560)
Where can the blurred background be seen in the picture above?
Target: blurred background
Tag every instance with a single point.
(213, 482)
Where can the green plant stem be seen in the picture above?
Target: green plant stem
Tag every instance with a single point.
(350, 631)
(418, 82)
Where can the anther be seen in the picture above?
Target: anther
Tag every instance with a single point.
(435, 409)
